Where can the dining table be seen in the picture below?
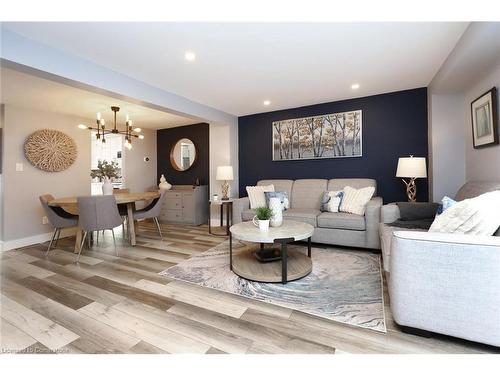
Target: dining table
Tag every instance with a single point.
(70, 205)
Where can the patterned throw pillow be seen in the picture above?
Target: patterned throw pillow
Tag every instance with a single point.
(256, 195)
(355, 200)
(331, 201)
(446, 203)
(282, 195)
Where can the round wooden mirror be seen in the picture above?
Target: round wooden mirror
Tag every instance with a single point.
(183, 155)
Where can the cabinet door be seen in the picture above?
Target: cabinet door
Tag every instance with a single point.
(188, 207)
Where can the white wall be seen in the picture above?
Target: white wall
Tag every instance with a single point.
(472, 68)
(140, 175)
(447, 143)
(22, 223)
(223, 151)
(22, 210)
(483, 163)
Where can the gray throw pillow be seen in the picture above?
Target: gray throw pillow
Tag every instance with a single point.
(417, 210)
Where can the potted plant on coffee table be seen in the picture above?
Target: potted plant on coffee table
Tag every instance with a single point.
(262, 217)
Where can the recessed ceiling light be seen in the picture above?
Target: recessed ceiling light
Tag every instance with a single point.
(190, 56)
(267, 102)
(355, 86)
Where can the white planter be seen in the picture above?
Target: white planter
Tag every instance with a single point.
(276, 206)
(107, 187)
(262, 224)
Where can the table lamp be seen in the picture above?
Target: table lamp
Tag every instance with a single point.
(224, 173)
(412, 168)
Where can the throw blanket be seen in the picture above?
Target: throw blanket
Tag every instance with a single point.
(423, 224)
(478, 216)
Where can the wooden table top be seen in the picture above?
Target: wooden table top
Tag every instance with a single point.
(120, 198)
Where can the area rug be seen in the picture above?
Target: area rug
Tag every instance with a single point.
(344, 285)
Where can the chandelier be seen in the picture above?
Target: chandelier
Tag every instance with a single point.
(101, 130)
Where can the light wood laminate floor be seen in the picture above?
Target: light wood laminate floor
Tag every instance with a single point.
(109, 304)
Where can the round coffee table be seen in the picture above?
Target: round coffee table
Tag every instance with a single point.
(294, 264)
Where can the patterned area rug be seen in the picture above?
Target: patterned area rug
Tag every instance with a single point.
(344, 285)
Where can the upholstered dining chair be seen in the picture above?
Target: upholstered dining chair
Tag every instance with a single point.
(58, 218)
(152, 211)
(122, 209)
(98, 213)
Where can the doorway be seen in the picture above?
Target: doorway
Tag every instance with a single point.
(110, 151)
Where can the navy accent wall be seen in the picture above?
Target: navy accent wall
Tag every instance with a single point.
(394, 125)
(167, 138)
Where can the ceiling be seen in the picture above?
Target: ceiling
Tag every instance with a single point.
(239, 65)
(29, 91)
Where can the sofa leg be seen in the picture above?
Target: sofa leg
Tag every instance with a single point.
(416, 331)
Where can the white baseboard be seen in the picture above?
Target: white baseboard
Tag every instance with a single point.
(33, 240)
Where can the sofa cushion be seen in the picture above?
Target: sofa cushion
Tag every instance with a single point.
(341, 220)
(248, 214)
(307, 193)
(279, 185)
(305, 215)
(357, 183)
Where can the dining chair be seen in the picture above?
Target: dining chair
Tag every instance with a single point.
(152, 211)
(122, 209)
(98, 213)
(58, 218)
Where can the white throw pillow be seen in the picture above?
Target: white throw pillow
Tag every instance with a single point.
(477, 216)
(354, 200)
(257, 196)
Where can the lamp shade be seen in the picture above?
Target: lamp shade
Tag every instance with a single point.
(224, 173)
(411, 167)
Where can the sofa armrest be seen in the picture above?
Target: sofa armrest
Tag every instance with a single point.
(372, 219)
(439, 280)
(239, 205)
(449, 239)
(390, 213)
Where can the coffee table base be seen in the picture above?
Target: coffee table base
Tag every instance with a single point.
(293, 265)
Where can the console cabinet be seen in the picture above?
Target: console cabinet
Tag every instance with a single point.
(185, 204)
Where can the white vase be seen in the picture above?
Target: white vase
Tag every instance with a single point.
(262, 224)
(164, 184)
(107, 187)
(276, 207)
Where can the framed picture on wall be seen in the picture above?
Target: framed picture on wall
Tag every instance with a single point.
(485, 119)
(336, 135)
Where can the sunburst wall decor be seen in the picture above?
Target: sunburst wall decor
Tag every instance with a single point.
(50, 150)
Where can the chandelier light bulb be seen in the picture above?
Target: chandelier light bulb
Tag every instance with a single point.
(101, 131)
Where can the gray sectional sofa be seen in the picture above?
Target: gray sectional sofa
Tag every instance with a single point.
(444, 282)
(330, 228)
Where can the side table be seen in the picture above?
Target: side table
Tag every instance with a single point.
(228, 204)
